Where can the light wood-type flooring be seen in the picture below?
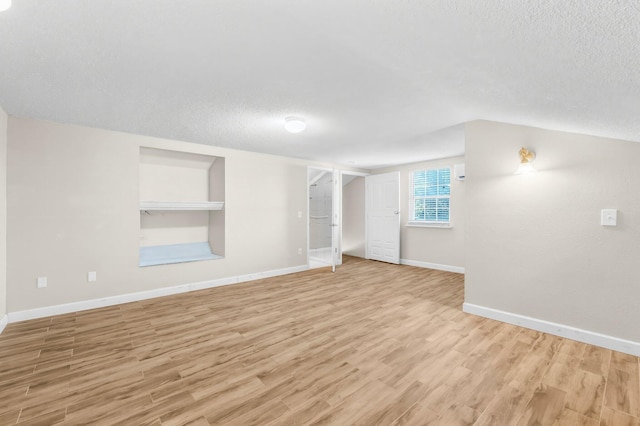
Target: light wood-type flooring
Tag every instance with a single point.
(371, 344)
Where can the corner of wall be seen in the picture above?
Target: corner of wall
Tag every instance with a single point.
(3, 218)
(4, 320)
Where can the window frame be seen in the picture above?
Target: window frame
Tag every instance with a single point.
(411, 221)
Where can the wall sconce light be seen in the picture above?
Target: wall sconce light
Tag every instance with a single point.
(5, 5)
(526, 157)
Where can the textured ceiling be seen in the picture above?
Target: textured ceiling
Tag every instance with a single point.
(378, 82)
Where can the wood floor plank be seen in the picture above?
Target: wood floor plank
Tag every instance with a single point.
(353, 408)
(586, 394)
(417, 414)
(545, 407)
(616, 418)
(389, 411)
(562, 371)
(46, 419)
(571, 418)
(372, 343)
(457, 415)
(596, 360)
(303, 414)
(267, 413)
(9, 417)
(506, 407)
(622, 392)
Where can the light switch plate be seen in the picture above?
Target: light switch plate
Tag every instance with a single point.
(91, 277)
(41, 282)
(609, 217)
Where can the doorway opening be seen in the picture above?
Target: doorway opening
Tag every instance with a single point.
(352, 240)
(337, 217)
(321, 199)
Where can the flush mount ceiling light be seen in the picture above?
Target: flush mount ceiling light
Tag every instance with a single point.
(526, 157)
(4, 5)
(294, 124)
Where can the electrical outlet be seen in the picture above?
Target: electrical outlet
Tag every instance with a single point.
(91, 277)
(41, 282)
(299, 250)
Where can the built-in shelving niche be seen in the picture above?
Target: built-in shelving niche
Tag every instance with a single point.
(181, 207)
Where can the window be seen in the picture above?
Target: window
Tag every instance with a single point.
(429, 195)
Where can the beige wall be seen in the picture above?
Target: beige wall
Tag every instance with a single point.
(73, 196)
(353, 218)
(438, 246)
(3, 213)
(535, 246)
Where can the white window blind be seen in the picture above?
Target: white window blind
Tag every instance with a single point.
(429, 196)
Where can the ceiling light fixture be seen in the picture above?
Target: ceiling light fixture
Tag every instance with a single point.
(4, 5)
(526, 157)
(294, 124)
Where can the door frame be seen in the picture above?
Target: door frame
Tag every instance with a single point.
(336, 208)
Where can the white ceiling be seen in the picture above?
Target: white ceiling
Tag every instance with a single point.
(379, 82)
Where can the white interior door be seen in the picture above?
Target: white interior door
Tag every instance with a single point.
(383, 217)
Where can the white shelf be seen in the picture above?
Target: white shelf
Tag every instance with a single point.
(181, 205)
(176, 253)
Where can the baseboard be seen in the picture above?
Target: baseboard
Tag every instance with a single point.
(3, 322)
(143, 295)
(428, 265)
(580, 335)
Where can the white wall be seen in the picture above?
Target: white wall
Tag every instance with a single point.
(534, 243)
(441, 248)
(73, 195)
(3, 215)
(353, 217)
